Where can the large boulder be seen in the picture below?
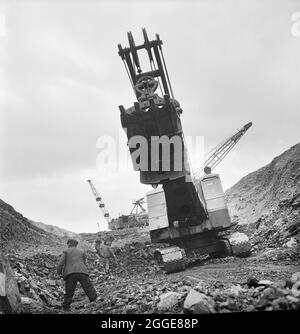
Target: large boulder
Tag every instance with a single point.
(31, 306)
(295, 277)
(9, 292)
(198, 303)
(168, 301)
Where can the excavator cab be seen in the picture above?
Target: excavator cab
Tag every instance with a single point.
(212, 194)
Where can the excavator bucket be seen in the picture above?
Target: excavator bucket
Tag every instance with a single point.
(154, 117)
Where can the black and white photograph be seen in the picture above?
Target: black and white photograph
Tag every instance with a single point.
(149, 160)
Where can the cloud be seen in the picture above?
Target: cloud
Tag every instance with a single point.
(61, 81)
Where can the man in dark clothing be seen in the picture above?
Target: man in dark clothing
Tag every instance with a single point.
(72, 266)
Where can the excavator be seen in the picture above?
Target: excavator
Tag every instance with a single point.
(188, 213)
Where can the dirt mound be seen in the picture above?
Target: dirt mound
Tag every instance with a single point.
(266, 204)
(17, 232)
(277, 235)
(262, 191)
(60, 232)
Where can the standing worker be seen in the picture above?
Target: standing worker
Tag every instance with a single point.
(72, 266)
(104, 251)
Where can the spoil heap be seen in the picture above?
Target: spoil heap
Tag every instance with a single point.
(262, 191)
(17, 232)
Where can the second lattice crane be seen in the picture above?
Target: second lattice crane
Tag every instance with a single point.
(100, 202)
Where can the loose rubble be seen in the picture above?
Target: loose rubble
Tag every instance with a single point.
(140, 286)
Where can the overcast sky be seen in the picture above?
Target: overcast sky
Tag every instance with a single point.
(61, 81)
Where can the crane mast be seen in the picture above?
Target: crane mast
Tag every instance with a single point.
(100, 202)
(221, 151)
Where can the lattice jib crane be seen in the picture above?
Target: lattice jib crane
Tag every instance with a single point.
(100, 202)
(221, 151)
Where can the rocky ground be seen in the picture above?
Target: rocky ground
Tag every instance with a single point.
(267, 280)
(137, 285)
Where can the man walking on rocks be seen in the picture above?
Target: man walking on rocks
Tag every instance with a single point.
(104, 251)
(72, 266)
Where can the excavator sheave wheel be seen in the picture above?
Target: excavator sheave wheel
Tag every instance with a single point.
(240, 244)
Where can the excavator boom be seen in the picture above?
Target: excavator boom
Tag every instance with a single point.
(221, 151)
